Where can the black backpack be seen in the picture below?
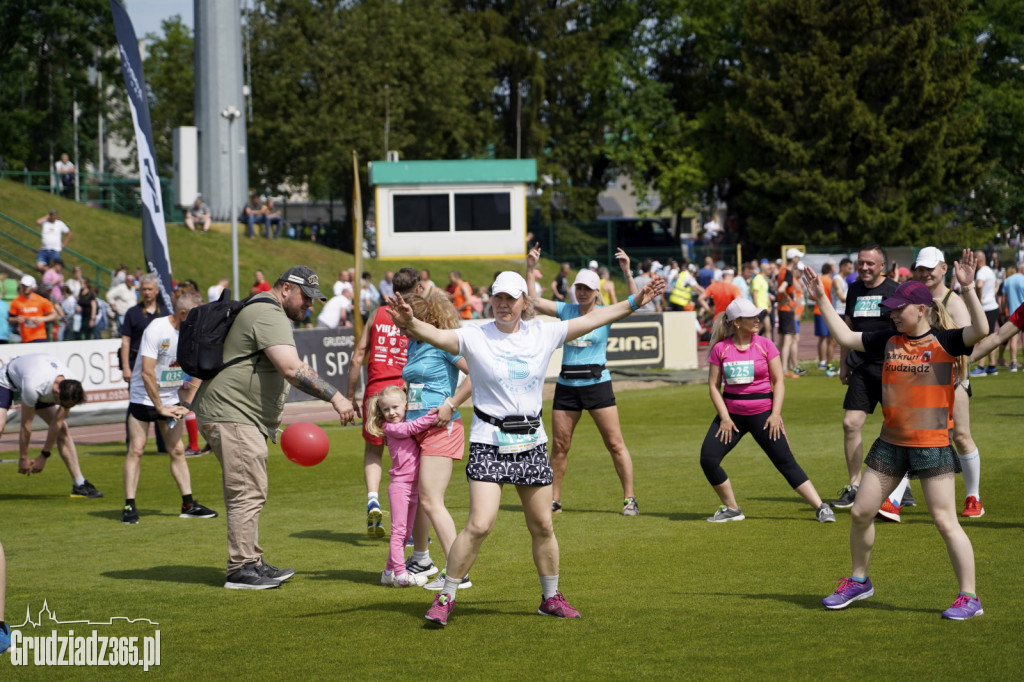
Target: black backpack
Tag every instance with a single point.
(202, 334)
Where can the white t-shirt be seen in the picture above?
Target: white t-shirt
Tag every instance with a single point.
(330, 315)
(160, 342)
(213, 293)
(51, 234)
(839, 284)
(34, 375)
(508, 371)
(987, 277)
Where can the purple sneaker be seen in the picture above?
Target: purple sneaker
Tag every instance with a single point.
(963, 608)
(849, 591)
(557, 606)
(441, 609)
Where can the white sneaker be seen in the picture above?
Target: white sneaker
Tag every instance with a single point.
(437, 584)
(402, 579)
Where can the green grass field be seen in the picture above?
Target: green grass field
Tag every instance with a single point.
(663, 596)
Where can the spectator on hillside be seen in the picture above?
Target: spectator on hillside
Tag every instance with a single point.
(462, 292)
(560, 284)
(54, 237)
(369, 297)
(706, 275)
(385, 287)
(66, 175)
(334, 314)
(214, 292)
(271, 217)
(88, 304)
(198, 213)
(426, 284)
(343, 284)
(52, 281)
(72, 315)
(76, 281)
(103, 314)
(31, 312)
(261, 284)
(251, 214)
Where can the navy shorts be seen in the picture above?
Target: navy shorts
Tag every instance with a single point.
(579, 398)
(820, 328)
(7, 399)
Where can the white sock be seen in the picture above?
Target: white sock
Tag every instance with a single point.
(422, 558)
(971, 464)
(79, 480)
(548, 585)
(372, 497)
(451, 585)
(896, 496)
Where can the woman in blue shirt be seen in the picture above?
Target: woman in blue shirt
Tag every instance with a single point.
(584, 383)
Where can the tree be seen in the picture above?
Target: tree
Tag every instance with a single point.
(854, 121)
(47, 48)
(170, 76)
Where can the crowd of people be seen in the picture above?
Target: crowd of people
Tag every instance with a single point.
(415, 345)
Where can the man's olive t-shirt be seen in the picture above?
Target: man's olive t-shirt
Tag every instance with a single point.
(250, 392)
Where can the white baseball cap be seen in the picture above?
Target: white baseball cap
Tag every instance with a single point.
(589, 279)
(741, 307)
(794, 252)
(592, 265)
(511, 283)
(27, 281)
(929, 257)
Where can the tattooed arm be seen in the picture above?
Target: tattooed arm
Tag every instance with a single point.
(287, 362)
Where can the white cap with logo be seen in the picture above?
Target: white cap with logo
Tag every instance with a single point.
(511, 283)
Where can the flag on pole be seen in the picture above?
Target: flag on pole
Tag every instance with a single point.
(154, 230)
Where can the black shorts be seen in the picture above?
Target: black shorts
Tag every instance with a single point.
(524, 468)
(993, 320)
(7, 399)
(787, 322)
(579, 398)
(144, 413)
(864, 391)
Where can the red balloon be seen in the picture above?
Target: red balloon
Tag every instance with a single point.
(305, 444)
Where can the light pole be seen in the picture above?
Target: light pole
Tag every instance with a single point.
(231, 113)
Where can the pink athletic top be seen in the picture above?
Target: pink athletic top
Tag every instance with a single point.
(403, 448)
(745, 372)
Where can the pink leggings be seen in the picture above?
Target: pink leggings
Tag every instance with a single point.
(403, 498)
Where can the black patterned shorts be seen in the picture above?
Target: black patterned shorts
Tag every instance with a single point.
(896, 460)
(523, 468)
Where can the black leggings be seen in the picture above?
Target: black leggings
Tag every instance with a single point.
(713, 451)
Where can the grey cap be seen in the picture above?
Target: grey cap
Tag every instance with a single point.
(306, 279)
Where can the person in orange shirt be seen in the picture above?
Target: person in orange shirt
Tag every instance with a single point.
(722, 292)
(922, 358)
(31, 312)
(820, 328)
(462, 293)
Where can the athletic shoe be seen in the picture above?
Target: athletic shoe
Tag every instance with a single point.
(5, 637)
(374, 520)
(440, 609)
(889, 512)
(557, 606)
(206, 450)
(416, 568)
(799, 370)
(1014, 367)
(402, 579)
(977, 372)
(725, 514)
(908, 499)
(831, 372)
(250, 577)
(825, 514)
(437, 584)
(1000, 362)
(193, 452)
(846, 497)
(791, 375)
(194, 510)
(629, 507)
(822, 365)
(972, 507)
(992, 369)
(129, 514)
(278, 574)
(556, 507)
(963, 608)
(849, 591)
(85, 490)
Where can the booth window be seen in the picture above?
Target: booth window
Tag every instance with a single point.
(421, 213)
(484, 211)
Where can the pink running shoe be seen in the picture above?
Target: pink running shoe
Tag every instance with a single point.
(441, 609)
(557, 606)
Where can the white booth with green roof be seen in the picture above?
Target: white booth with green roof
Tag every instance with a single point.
(451, 209)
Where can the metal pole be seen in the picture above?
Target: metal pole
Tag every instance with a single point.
(231, 113)
(74, 117)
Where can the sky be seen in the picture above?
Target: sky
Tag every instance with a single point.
(146, 15)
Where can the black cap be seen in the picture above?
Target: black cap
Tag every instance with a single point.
(306, 279)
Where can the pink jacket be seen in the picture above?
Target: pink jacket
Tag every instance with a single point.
(403, 448)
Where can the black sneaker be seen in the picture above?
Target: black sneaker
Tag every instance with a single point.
(556, 507)
(908, 499)
(250, 577)
(278, 574)
(194, 510)
(846, 497)
(415, 568)
(129, 514)
(85, 490)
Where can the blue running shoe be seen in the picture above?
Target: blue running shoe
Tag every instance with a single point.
(849, 591)
(374, 520)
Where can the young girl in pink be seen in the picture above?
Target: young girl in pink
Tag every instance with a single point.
(747, 390)
(387, 419)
